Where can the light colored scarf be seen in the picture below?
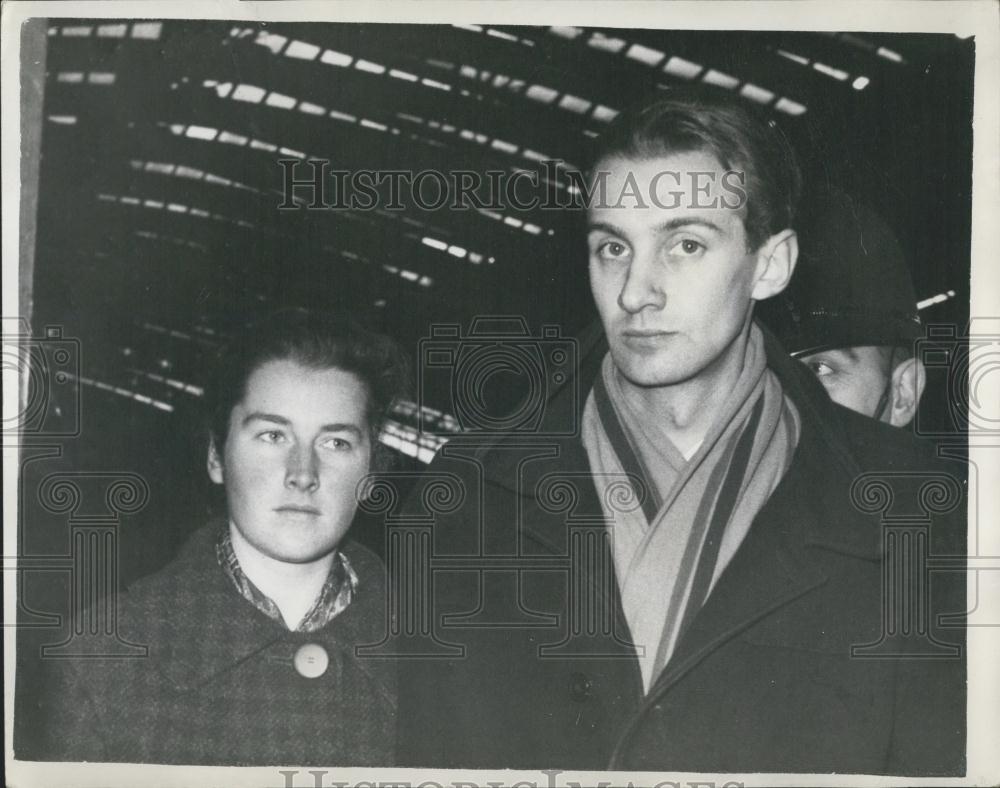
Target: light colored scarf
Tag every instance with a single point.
(696, 511)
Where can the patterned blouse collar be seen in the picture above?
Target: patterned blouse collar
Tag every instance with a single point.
(338, 591)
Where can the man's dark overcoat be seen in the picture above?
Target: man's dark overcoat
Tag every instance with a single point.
(541, 672)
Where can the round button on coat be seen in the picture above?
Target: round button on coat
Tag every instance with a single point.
(580, 686)
(311, 660)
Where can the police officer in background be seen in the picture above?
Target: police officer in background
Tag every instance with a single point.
(850, 313)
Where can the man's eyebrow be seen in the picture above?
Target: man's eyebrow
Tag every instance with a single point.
(686, 221)
(604, 226)
(668, 226)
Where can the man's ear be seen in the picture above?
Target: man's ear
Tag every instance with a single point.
(908, 380)
(776, 260)
(215, 469)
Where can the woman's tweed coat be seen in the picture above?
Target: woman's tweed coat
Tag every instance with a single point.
(219, 685)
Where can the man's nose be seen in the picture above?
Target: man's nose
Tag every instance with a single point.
(643, 286)
(301, 471)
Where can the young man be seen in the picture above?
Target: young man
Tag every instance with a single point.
(850, 313)
(251, 631)
(715, 573)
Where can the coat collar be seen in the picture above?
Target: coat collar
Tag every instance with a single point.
(192, 600)
(819, 479)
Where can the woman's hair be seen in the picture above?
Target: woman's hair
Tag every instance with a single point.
(314, 340)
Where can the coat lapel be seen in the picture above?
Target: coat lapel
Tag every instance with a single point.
(782, 557)
(206, 628)
(780, 561)
(773, 567)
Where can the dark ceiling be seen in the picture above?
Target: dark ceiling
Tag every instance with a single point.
(158, 224)
(158, 230)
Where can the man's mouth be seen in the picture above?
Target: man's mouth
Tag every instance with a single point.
(645, 340)
(294, 509)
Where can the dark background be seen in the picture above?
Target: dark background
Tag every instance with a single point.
(149, 291)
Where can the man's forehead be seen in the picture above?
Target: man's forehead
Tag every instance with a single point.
(663, 192)
(682, 160)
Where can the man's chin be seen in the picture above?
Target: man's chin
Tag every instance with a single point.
(648, 378)
(645, 372)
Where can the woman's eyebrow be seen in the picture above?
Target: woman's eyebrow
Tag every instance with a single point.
(341, 427)
(269, 417)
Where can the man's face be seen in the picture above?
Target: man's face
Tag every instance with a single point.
(297, 447)
(672, 284)
(855, 377)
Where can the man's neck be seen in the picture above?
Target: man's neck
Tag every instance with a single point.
(293, 587)
(686, 411)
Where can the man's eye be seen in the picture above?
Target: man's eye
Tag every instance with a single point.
(612, 250)
(687, 247)
(271, 436)
(820, 368)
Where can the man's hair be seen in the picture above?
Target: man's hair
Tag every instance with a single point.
(317, 341)
(738, 134)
